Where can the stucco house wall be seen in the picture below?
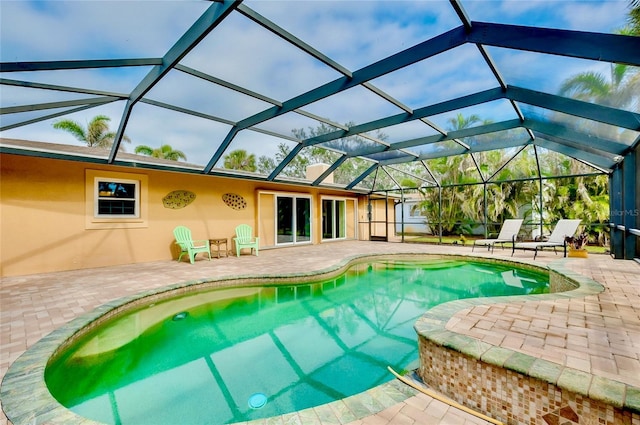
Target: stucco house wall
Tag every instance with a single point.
(47, 223)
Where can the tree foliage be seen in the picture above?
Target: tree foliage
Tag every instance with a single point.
(325, 153)
(634, 18)
(459, 204)
(621, 88)
(96, 134)
(463, 199)
(240, 159)
(164, 152)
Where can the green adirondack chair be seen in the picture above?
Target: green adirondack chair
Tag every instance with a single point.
(244, 239)
(188, 245)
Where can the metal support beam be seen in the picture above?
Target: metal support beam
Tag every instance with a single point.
(578, 108)
(458, 134)
(540, 191)
(223, 146)
(282, 33)
(616, 208)
(439, 108)
(210, 19)
(294, 152)
(439, 214)
(434, 46)
(47, 117)
(402, 199)
(361, 177)
(578, 44)
(495, 173)
(574, 152)
(189, 40)
(117, 140)
(330, 170)
(486, 208)
(55, 87)
(631, 185)
(76, 64)
(587, 140)
(55, 105)
(636, 230)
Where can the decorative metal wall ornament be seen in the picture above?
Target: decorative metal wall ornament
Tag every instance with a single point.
(178, 199)
(234, 201)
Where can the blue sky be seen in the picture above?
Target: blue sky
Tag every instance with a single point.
(353, 33)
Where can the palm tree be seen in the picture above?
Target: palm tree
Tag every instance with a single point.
(96, 134)
(239, 159)
(163, 152)
(620, 89)
(634, 18)
(583, 197)
(460, 122)
(460, 206)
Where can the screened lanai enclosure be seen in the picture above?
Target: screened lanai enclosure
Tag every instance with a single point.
(463, 113)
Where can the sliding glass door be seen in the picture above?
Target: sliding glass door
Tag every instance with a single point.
(293, 219)
(334, 219)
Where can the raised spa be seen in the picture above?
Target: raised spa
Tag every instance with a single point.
(237, 354)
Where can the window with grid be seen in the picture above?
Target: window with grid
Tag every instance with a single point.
(117, 198)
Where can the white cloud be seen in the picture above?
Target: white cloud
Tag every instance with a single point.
(353, 33)
(356, 33)
(581, 15)
(607, 16)
(70, 30)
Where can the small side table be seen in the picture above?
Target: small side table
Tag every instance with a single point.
(219, 242)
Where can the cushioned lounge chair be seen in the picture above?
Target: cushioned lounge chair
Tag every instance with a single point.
(188, 245)
(563, 229)
(508, 234)
(244, 239)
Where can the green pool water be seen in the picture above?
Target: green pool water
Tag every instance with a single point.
(238, 354)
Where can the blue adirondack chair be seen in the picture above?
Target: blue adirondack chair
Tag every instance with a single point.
(244, 239)
(188, 245)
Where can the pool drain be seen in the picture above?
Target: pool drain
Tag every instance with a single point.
(180, 316)
(257, 400)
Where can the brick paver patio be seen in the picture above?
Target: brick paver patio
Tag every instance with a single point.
(599, 334)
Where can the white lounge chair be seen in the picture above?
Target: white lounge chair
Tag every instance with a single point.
(508, 234)
(564, 228)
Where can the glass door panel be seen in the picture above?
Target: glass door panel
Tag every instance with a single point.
(284, 224)
(303, 220)
(334, 223)
(293, 219)
(340, 219)
(327, 219)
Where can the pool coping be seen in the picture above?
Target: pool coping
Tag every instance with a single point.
(433, 326)
(27, 400)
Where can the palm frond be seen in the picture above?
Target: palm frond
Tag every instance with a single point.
(585, 86)
(143, 149)
(72, 127)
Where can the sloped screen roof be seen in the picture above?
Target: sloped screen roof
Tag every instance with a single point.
(358, 85)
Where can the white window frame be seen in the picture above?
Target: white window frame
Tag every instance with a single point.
(140, 217)
(295, 197)
(333, 199)
(98, 197)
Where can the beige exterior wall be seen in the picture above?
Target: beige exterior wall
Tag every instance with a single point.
(47, 224)
(267, 219)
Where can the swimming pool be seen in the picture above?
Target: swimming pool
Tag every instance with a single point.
(238, 354)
